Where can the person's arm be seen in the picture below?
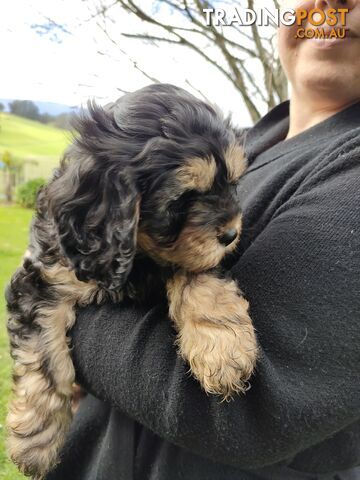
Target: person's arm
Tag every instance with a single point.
(302, 279)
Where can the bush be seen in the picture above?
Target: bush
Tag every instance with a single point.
(26, 193)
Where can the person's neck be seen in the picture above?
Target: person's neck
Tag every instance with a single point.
(306, 114)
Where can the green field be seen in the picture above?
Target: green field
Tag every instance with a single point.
(41, 147)
(14, 224)
(39, 144)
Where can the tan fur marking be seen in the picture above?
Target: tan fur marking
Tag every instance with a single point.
(235, 162)
(197, 174)
(196, 249)
(215, 333)
(27, 253)
(40, 404)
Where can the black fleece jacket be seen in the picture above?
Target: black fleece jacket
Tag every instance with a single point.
(299, 266)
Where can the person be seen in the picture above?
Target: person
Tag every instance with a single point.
(298, 265)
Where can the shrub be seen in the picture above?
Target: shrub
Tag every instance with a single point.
(27, 192)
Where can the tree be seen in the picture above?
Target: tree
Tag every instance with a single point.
(64, 120)
(234, 51)
(46, 118)
(14, 172)
(10, 170)
(245, 56)
(25, 108)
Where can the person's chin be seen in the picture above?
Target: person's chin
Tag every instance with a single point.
(321, 78)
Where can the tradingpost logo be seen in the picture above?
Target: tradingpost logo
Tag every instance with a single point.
(329, 24)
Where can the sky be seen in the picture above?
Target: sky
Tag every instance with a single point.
(73, 67)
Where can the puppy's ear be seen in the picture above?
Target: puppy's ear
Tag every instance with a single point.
(96, 210)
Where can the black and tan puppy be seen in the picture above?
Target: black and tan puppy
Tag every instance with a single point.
(143, 203)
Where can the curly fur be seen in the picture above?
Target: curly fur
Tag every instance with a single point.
(140, 206)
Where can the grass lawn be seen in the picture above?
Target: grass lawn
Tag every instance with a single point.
(14, 224)
(41, 145)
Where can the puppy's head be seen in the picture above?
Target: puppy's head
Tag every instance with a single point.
(191, 217)
(154, 172)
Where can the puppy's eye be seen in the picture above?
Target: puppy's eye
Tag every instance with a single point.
(179, 208)
(177, 214)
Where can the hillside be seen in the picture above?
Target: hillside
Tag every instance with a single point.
(42, 145)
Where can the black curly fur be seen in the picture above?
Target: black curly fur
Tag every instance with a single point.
(123, 153)
(119, 175)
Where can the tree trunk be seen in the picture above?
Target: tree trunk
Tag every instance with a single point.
(8, 186)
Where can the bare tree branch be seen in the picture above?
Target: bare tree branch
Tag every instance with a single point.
(134, 62)
(197, 90)
(247, 59)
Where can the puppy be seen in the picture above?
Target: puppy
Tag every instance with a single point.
(143, 205)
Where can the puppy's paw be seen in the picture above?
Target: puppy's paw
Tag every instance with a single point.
(216, 336)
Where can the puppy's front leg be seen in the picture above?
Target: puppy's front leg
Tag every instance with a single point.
(215, 333)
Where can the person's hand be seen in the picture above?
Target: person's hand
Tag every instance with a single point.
(78, 394)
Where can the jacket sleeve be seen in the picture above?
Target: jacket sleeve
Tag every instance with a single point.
(301, 276)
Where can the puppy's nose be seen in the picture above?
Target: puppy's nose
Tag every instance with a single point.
(228, 237)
